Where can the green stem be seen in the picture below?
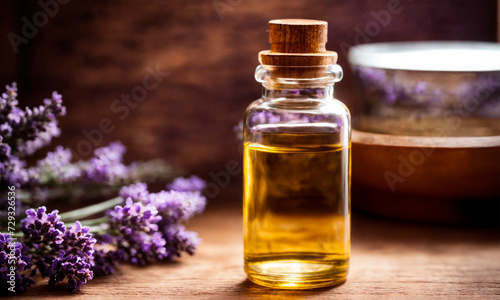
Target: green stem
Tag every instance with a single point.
(17, 234)
(90, 210)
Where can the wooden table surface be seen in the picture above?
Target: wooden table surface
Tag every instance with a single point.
(389, 260)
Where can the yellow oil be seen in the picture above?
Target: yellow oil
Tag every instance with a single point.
(296, 210)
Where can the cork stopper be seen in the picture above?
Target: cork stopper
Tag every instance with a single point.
(297, 43)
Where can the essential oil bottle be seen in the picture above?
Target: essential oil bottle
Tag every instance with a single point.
(296, 206)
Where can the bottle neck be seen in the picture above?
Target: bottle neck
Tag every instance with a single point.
(311, 82)
(298, 92)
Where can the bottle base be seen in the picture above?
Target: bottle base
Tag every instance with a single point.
(295, 274)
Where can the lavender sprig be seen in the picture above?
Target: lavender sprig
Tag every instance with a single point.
(24, 131)
(56, 251)
(134, 217)
(150, 222)
(107, 164)
(105, 262)
(79, 241)
(73, 267)
(13, 255)
(40, 228)
(105, 172)
(147, 228)
(191, 184)
(144, 228)
(30, 129)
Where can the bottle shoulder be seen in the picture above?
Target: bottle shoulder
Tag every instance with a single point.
(312, 107)
(311, 116)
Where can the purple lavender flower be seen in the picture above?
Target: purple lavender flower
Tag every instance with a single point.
(57, 251)
(43, 233)
(13, 172)
(5, 130)
(43, 139)
(23, 132)
(106, 261)
(13, 254)
(39, 227)
(178, 240)
(16, 115)
(9, 98)
(55, 105)
(107, 164)
(141, 247)
(138, 240)
(134, 217)
(191, 184)
(146, 237)
(57, 159)
(176, 206)
(4, 150)
(30, 129)
(74, 267)
(56, 166)
(182, 202)
(79, 241)
(113, 152)
(138, 192)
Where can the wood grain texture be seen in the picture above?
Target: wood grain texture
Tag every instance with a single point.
(389, 260)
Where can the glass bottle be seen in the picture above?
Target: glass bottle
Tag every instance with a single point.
(296, 206)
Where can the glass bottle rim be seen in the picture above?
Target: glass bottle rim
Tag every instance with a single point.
(328, 74)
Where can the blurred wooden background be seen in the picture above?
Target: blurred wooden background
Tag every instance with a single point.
(93, 52)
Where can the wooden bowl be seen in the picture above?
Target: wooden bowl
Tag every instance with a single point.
(434, 179)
